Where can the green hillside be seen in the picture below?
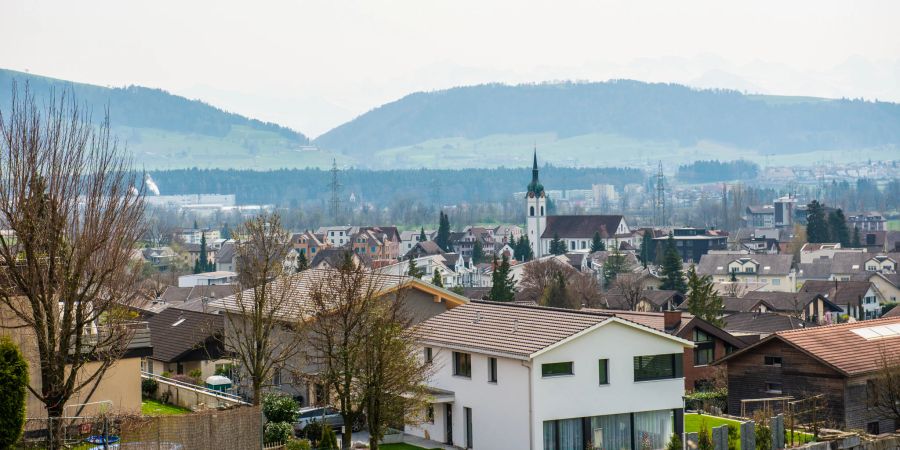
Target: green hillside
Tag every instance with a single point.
(165, 131)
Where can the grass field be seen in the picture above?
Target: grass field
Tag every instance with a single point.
(400, 446)
(155, 408)
(893, 225)
(692, 425)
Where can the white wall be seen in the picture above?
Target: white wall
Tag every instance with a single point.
(581, 395)
(499, 411)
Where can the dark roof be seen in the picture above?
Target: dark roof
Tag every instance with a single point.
(657, 320)
(334, 257)
(738, 304)
(894, 312)
(763, 323)
(424, 249)
(816, 270)
(849, 348)
(791, 301)
(838, 292)
(582, 227)
(477, 293)
(226, 253)
(174, 339)
(717, 264)
(658, 297)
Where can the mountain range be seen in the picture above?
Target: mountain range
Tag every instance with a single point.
(619, 122)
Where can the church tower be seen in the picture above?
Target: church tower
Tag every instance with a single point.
(535, 211)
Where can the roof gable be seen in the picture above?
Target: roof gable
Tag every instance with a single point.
(582, 227)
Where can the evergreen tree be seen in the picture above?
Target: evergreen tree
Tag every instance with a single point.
(615, 264)
(597, 243)
(816, 225)
(837, 227)
(523, 250)
(422, 237)
(13, 392)
(302, 262)
(477, 252)
(557, 245)
(556, 294)
(856, 242)
(414, 270)
(648, 248)
(703, 300)
(197, 268)
(196, 227)
(205, 265)
(436, 279)
(226, 232)
(443, 234)
(503, 289)
(672, 269)
(514, 245)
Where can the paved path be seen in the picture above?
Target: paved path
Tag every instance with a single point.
(363, 436)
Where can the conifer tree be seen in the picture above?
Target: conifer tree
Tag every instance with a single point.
(837, 227)
(557, 246)
(523, 249)
(436, 279)
(615, 264)
(856, 242)
(503, 289)
(597, 244)
(703, 299)
(13, 392)
(514, 245)
(556, 295)
(413, 270)
(816, 225)
(422, 237)
(672, 269)
(443, 234)
(302, 262)
(647, 248)
(477, 252)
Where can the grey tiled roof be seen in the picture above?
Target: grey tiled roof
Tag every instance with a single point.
(717, 264)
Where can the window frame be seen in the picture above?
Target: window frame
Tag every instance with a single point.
(428, 354)
(492, 370)
(458, 365)
(770, 387)
(676, 367)
(545, 366)
(603, 371)
(773, 361)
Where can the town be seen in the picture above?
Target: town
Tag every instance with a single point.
(496, 225)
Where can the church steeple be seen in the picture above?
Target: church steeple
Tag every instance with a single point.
(535, 187)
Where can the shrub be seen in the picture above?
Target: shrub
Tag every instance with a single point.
(298, 444)
(278, 432)
(185, 379)
(149, 387)
(704, 438)
(329, 439)
(734, 436)
(196, 374)
(675, 443)
(312, 431)
(13, 385)
(279, 408)
(167, 374)
(763, 436)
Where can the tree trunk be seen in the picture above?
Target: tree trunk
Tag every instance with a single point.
(55, 423)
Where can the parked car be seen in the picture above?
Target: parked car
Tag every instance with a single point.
(326, 414)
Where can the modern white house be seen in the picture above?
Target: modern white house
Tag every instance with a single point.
(512, 376)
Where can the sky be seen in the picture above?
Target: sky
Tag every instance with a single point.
(312, 65)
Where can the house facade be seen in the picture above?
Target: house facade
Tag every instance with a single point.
(774, 272)
(498, 364)
(693, 243)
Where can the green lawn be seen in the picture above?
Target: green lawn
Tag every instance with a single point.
(692, 425)
(155, 408)
(400, 446)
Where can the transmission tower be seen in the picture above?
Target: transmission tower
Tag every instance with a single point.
(659, 203)
(335, 202)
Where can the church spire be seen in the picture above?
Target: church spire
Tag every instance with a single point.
(535, 186)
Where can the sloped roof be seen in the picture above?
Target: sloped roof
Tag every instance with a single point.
(334, 257)
(175, 332)
(717, 264)
(763, 323)
(226, 253)
(425, 248)
(582, 227)
(838, 292)
(738, 304)
(842, 346)
(790, 301)
(658, 297)
(894, 312)
(816, 270)
(515, 330)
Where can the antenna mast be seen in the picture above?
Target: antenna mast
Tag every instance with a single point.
(659, 204)
(335, 202)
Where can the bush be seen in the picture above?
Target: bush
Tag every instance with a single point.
(734, 436)
(13, 385)
(279, 408)
(704, 438)
(278, 432)
(149, 387)
(312, 431)
(196, 374)
(298, 444)
(329, 439)
(675, 443)
(763, 436)
(185, 379)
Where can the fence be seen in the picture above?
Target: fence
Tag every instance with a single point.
(239, 428)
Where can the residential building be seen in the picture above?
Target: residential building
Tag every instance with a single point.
(195, 235)
(160, 257)
(207, 279)
(757, 325)
(511, 376)
(378, 243)
(808, 306)
(760, 216)
(780, 214)
(194, 253)
(225, 258)
(337, 236)
(773, 270)
(870, 221)
(887, 284)
(423, 249)
(811, 252)
(453, 268)
(408, 239)
(308, 243)
(194, 298)
(186, 341)
(846, 266)
(839, 362)
(858, 299)
(651, 300)
(693, 243)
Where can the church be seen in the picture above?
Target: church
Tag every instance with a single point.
(576, 231)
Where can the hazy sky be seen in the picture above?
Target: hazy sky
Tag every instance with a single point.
(311, 65)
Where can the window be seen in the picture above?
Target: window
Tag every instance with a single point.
(556, 369)
(462, 364)
(774, 361)
(703, 356)
(429, 356)
(873, 428)
(604, 371)
(373, 249)
(492, 370)
(776, 281)
(542, 210)
(701, 336)
(658, 367)
(583, 245)
(276, 377)
(531, 211)
(773, 388)
(179, 369)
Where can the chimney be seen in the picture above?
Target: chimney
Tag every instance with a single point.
(671, 319)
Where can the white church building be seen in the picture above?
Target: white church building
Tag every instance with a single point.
(577, 232)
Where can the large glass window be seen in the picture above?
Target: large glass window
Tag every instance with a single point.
(611, 432)
(462, 364)
(550, 435)
(653, 429)
(703, 355)
(556, 369)
(658, 367)
(570, 435)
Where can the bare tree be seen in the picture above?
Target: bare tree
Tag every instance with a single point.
(260, 317)
(537, 276)
(886, 385)
(68, 195)
(631, 286)
(584, 290)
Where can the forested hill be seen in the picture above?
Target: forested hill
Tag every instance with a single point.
(637, 110)
(141, 107)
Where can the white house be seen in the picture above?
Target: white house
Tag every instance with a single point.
(510, 376)
(207, 279)
(773, 272)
